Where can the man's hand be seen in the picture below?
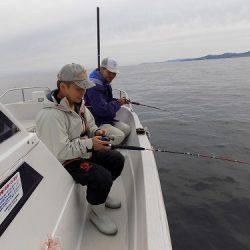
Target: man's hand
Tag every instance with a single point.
(122, 101)
(98, 144)
(100, 132)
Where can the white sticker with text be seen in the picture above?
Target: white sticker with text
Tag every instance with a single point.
(10, 194)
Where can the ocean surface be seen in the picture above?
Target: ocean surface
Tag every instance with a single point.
(208, 111)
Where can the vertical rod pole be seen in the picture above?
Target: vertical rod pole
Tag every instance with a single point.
(23, 95)
(98, 37)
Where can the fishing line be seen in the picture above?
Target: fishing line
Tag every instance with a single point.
(164, 150)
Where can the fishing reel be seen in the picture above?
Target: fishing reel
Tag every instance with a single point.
(105, 138)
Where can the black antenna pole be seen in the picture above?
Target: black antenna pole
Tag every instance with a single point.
(98, 37)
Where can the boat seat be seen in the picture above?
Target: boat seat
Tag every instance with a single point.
(29, 125)
(25, 113)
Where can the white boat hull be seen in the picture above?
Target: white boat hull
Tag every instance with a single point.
(58, 206)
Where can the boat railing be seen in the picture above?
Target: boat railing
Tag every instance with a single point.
(22, 90)
(123, 93)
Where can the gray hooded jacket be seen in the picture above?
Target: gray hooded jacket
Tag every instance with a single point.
(60, 129)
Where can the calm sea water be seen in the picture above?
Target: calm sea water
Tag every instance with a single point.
(208, 111)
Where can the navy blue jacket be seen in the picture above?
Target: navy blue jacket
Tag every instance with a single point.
(100, 101)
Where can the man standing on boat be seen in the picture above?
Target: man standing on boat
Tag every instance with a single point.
(68, 129)
(102, 104)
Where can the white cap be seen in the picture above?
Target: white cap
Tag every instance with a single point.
(110, 64)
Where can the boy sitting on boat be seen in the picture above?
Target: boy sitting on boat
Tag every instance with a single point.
(68, 129)
(101, 103)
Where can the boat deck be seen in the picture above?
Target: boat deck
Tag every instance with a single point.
(93, 239)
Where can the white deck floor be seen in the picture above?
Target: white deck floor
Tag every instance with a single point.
(94, 240)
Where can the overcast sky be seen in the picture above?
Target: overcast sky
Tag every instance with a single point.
(43, 35)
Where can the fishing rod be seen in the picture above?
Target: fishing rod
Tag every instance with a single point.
(149, 106)
(99, 58)
(98, 35)
(163, 150)
(140, 104)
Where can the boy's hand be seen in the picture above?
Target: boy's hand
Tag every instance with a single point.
(101, 132)
(98, 144)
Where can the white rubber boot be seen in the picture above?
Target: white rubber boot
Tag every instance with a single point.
(102, 221)
(112, 203)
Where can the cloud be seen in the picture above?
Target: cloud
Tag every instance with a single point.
(40, 35)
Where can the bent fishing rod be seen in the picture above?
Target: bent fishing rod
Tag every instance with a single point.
(164, 150)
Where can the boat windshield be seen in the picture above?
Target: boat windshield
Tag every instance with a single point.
(7, 127)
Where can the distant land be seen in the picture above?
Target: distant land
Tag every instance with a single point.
(212, 57)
